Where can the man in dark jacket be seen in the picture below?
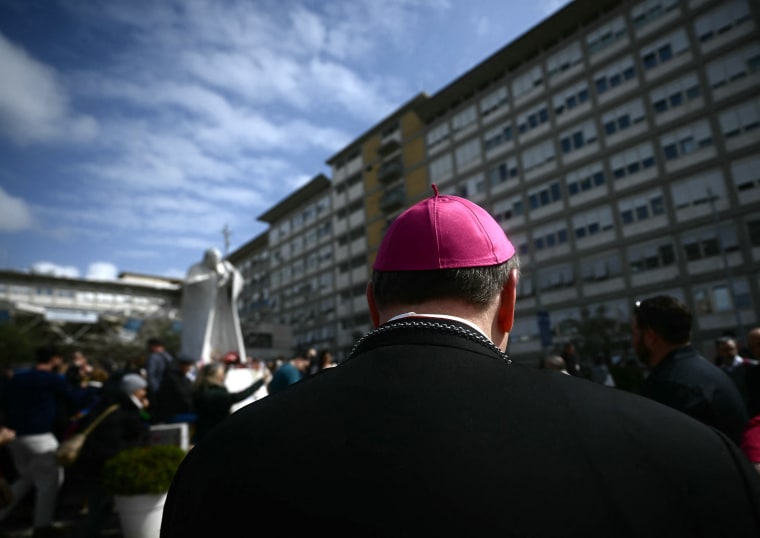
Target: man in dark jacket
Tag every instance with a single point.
(428, 429)
(680, 377)
(174, 401)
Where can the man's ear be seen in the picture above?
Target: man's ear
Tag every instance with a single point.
(373, 312)
(507, 303)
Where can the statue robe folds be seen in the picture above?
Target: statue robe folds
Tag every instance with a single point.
(210, 322)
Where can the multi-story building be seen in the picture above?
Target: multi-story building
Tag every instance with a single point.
(618, 145)
(75, 305)
(301, 275)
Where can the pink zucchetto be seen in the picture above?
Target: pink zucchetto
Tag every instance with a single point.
(443, 232)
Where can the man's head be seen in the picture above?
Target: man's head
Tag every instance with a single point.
(301, 363)
(155, 344)
(727, 350)
(753, 342)
(185, 363)
(659, 325)
(48, 357)
(446, 255)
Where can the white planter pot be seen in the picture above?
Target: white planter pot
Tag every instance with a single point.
(140, 515)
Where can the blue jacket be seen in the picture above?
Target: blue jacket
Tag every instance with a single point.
(38, 401)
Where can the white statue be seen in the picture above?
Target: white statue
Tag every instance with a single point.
(210, 322)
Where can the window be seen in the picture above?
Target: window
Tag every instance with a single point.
(503, 171)
(675, 94)
(641, 207)
(651, 10)
(538, 155)
(665, 49)
(441, 168)
(532, 118)
(563, 60)
(527, 81)
(721, 297)
(437, 134)
(602, 267)
(741, 119)
(650, 256)
(708, 242)
(623, 117)
(615, 75)
(753, 230)
(498, 136)
(687, 140)
(545, 195)
(504, 210)
(722, 19)
(556, 277)
(746, 174)
(578, 137)
(632, 161)
(464, 118)
(698, 190)
(467, 153)
(494, 101)
(570, 98)
(606, 35)
(592, 222)
(550, 236)
(734, 67)
(584, 179)
(472, 186)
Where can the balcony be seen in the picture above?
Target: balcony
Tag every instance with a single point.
(388, 146)
(390, 171)
(393, 199)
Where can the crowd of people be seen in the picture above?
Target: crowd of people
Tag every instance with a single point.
(427, 428)
(44, 404)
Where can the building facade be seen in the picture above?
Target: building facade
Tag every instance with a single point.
(616, 142)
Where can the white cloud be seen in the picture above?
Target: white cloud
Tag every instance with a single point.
(14, 213)
(102, 271)
(34, 105)
(49, 268)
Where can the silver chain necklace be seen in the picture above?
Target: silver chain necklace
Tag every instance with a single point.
(438, 326)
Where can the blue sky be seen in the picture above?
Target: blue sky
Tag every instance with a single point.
(132, 132)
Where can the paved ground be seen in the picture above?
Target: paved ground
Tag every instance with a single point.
(69, 522)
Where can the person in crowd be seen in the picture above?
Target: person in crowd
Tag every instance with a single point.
(125, 427)
(212, 401)
(680, 377)
(156, 364)
(553, 362)
(572, 363)
(240, 376)
(35, 400)
(6, 495)
(753, 343)
(600, 371)
(429, 429)
(174, 401)
(312, 356)
(737, 367)
(325, 360)
(288, 373)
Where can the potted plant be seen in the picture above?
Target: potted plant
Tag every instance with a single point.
(139, 479)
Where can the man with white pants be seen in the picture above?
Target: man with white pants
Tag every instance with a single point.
(31, 403)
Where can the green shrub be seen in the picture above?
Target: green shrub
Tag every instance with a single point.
(141, 470)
